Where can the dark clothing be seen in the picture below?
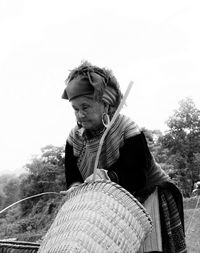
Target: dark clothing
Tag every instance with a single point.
(133, 180)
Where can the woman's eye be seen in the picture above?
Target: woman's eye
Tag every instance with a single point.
(84, 108)
(75, 109)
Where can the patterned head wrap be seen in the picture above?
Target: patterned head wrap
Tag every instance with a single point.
(88, 79)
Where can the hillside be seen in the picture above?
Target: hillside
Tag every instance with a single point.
(33, 226)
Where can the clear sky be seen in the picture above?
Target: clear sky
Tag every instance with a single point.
(153, 43)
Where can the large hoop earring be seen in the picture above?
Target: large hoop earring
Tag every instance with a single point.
(105, 119)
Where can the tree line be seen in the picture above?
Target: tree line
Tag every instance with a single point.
(178, 149)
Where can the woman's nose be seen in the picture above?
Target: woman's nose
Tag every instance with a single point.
(80, 114)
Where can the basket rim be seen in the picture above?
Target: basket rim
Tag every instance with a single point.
(85, 185)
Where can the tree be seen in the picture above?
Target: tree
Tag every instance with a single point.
(182, 143)
(45, 173)
(9, 190)
(152, 137)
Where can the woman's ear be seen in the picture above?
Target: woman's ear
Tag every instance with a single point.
(79, 124)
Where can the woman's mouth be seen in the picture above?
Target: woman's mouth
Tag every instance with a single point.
(84, 122)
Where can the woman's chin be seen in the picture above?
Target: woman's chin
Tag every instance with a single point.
(89, 126)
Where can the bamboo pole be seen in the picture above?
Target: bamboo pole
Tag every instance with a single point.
(108, 128)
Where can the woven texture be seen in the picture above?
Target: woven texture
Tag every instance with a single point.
(18, 247)
(98, 217)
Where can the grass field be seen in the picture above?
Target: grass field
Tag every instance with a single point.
(192, 228)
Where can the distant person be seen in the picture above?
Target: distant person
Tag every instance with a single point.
(95, 95)
(196, 190)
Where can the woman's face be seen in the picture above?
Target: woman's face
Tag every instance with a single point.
(88, 112)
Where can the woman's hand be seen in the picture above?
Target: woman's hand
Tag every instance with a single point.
(101, 174)
(71, 188)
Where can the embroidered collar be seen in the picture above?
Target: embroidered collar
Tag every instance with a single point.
(88, 135)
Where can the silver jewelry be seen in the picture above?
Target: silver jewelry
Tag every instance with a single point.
(105, 119)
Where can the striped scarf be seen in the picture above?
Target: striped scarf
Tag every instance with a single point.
(86, 149)
(172, 223)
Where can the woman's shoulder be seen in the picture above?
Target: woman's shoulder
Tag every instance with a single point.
(75, 134)
(126, 120)
(126, 125)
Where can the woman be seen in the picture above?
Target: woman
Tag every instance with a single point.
(94, 94)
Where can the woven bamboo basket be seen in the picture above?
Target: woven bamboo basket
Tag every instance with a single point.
(18, 247)
(98, 217)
